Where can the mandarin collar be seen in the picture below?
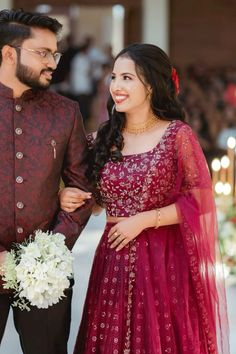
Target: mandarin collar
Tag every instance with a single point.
(27, 95)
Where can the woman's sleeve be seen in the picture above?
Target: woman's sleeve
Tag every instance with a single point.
(196, 208)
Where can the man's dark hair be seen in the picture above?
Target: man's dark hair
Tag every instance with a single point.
(15, 26)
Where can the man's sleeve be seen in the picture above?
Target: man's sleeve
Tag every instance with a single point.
(73, 175)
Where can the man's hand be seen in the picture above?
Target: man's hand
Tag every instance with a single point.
(73, 198)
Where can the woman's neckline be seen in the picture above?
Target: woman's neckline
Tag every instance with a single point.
(157, 144)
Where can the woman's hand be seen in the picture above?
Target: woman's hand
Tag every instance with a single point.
(72, 198)
(125, 231)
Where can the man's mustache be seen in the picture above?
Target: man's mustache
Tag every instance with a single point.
(49, 70)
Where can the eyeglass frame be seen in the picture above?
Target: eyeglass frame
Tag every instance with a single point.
(44, 53)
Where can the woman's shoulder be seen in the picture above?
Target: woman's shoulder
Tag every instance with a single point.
(182, 128)
(181, 133)
(185, 135)
(178, 124)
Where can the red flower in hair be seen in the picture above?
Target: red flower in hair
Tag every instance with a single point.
(175, 79)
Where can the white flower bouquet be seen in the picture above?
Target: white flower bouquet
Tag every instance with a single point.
(38, 270)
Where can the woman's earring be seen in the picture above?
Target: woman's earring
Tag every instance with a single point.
(113, 109)
(149, 93)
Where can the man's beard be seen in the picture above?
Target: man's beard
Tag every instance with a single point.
(27, 77)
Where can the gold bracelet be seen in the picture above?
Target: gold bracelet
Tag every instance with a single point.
(158, 218)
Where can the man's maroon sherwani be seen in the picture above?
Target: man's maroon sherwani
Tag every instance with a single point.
(41, 139)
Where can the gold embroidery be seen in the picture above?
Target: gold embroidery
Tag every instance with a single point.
(131, 280)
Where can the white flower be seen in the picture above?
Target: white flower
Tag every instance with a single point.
(9, 271)
(39, 270)
(31, 250)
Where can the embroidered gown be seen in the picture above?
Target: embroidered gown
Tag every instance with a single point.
(158, 295)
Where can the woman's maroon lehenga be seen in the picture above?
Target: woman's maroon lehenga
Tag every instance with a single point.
(158, 295)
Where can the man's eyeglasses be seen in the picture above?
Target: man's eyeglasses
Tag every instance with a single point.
(44, 54)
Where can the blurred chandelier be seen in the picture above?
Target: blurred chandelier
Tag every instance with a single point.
(224, 171)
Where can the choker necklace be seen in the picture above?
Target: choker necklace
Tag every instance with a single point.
(140, 128)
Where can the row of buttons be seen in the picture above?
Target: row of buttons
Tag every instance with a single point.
(19, 179)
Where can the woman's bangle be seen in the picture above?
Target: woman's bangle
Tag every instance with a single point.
(158, 218)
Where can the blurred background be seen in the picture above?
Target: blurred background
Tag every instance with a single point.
(199, 37)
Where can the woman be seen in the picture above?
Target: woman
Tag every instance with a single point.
(152, 287)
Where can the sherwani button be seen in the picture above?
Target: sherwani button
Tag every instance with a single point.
(20, 205)
(18, 107)
(19, 155)
(18, 131)
(19, 179)
(20, 230)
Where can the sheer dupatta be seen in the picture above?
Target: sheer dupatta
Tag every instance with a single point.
(196, 208)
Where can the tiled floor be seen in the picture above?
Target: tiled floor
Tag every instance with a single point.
(84, 250)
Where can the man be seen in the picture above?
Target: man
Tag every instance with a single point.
(41, 140)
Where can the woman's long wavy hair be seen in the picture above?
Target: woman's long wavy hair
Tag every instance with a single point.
(155, 70)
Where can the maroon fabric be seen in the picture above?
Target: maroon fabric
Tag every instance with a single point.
(160, 293)
(30, 125)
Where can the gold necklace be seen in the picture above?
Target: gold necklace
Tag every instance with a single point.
(140, 128)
